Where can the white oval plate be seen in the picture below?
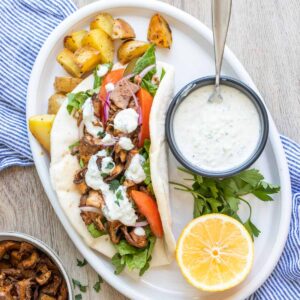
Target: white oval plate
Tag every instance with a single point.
(192, 56)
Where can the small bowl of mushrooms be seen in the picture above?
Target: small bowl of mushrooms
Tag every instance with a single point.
(29, 269)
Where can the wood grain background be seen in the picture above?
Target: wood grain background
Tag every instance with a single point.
(265, 37)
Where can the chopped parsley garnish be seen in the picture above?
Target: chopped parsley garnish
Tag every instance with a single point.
(97, 285)
(110, 165)
(76, 101)
(78, 284)
(132, 257)
(104, 175)
(119, 196)
(95, 233)
(74, 145)
(81, 163)
(114, 185)
(81, 263)
(225, 195)
(101, 134)
(78, 297)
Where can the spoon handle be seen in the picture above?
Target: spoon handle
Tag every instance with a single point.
(221, 10)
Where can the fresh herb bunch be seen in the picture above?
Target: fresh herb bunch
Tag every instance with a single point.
(132, 257)
(225, 195)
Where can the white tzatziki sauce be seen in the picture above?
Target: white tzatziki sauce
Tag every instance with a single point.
(217, 136)
(89, 119)
(117, 205)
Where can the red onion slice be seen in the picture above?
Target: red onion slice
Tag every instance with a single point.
(91, 209)
(146, 70)
(141, 224)
(106, 108)
(136, 102)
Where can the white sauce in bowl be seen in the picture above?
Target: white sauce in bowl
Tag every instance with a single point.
(217, 136)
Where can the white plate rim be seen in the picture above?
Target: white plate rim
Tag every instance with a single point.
(243, 75)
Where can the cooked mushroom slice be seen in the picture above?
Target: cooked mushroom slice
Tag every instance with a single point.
(94, 199)
(8, 246)
(97, 105)
(118, 169)
(80, 182)
(5, 292)
(98, 223)
(129, 183)
(52, 288)
(51, 266)
(88, 146)
(114, 231)
(30, 262)
(63, 292)
(15, 273)
(46, 297)
(139, 241)
(26, 249)
(24, 289)
(44, 275)
(28, 274)
(15, 257)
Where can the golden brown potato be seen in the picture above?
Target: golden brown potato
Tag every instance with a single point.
(87, 58)
(40, 126)
(131, 49)
(159, 32)
(99, 40)
(66, 84)
(67, 60)
(105, 22)
(122, 30)
(73, 41)
(55, 102)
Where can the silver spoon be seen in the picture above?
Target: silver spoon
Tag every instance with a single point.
(221, 11)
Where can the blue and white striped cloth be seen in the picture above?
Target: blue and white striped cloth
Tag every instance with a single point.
(25, 24)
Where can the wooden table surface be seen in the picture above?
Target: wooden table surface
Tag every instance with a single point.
(265, 37)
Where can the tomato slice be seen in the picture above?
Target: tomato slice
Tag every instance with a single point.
(145, 101)
(148, 207)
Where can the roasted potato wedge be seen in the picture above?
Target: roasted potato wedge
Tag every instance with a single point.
(87, 58)
(105, 22)
(40, 127)
(55, 102)
(122, 30)
(67, 60)
(66, 84)
(99, 40)
(131, 49)
(159, 32)
(73, 41)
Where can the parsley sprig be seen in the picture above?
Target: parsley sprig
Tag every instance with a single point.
(225, 195)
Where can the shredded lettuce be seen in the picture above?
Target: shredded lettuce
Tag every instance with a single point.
(146, 60)
(95, 233)
(76, 101)
(132, 257)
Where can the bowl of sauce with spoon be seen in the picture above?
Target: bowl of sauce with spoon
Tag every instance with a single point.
(217, 126)
(217, 138)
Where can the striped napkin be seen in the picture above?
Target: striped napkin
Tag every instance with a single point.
(25, 24)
